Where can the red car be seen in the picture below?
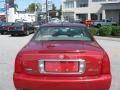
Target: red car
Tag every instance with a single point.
(62, 57)
(88, 22)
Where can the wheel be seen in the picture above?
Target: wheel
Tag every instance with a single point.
(99, 25)
(114, 24)
(2, 33)
(12, 34)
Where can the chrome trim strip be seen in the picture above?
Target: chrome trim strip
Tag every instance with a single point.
(82, 66)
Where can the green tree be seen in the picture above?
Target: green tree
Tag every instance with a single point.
(15, 7)
(60, 12)
(53, 7)
(33, 7)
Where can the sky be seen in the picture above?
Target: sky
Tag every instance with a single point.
(23, 4)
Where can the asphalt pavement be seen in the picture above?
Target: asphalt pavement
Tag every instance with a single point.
(10, 46)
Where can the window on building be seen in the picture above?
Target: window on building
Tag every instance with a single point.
(82, 3)
(69, 4)
(98, 0)
(100, 16)
(112, 0)
(94, 16)
(82, 17)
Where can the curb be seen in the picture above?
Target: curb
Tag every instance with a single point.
(107, 38)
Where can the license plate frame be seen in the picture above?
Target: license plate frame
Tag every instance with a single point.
(81, 66)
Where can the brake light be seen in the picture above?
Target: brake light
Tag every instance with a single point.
(5, 27)
(11, 28)
(106, 65)
(18, 64)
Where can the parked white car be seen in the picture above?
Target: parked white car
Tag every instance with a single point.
(104, 23)
(54, 20)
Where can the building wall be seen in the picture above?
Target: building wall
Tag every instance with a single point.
(114, 15)
(11, 15)
(98, 7)
(27, 17)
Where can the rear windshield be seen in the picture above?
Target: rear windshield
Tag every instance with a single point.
(63, 33)
(18, 24)
(6, 24)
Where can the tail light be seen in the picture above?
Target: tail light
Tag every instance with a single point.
(11, 28)
(6, 27)
(106, 65)
(18, 64)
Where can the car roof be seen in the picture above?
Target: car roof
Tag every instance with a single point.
(63, 24)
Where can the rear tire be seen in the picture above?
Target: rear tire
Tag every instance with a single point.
(99, 25)
(12, 34)
(114, 24)
(2, 33)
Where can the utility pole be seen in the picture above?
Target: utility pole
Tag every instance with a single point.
(6, 6)
(47, 10)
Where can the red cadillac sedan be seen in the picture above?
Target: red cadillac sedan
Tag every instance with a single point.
(62, 57)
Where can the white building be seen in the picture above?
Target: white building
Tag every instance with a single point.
(91, 9)
(20, 15)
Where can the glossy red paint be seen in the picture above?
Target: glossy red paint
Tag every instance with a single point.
(61, 66)
(88, 23)
(97, 75)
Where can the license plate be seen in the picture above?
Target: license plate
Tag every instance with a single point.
(61, 66)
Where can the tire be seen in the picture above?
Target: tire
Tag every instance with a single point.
(12, 34)
(98, 25)
(114, 24)
(2, 33)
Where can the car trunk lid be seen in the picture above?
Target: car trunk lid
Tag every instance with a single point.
(61, 57)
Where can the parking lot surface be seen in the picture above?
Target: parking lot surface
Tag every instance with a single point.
(10, 46)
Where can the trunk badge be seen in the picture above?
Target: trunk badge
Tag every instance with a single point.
(61, 56)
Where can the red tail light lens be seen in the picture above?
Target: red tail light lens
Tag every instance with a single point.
(5, 27)
(106, 65)
(11, 28)
(18, 64)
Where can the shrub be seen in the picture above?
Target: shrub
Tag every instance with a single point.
(116, 30)
(93, 30)
(105, 31)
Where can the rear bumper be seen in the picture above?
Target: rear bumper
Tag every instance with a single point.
(22, 81)
(3, 31)
(16, 32)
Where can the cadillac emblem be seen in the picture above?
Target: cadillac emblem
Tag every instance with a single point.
(61, 56)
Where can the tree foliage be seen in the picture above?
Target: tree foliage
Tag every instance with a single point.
(60, 12)
(53, 7)
(15, 7)
(33, 7)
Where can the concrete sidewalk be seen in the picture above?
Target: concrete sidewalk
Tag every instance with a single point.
(107, 38)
